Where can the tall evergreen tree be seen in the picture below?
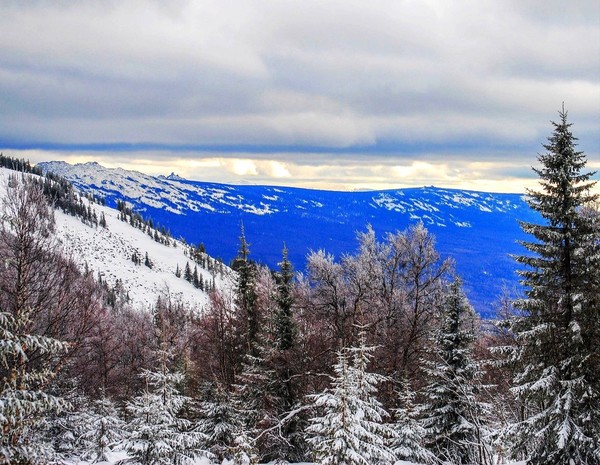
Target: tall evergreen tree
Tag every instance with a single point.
(557, 331)
(285, 330)
(246, 293)
(452, 414)
(282, 354)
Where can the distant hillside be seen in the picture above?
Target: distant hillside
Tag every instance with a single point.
(479, 230)
(108, 252)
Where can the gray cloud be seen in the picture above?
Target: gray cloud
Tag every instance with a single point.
(485, 75)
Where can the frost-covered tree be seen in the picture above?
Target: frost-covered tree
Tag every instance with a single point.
(557, 330)
(351, 429)
(27, 360)
(409, 438)
(158, 434)
(101, 429)
(219, 421)
(452, 414)
(399, 279)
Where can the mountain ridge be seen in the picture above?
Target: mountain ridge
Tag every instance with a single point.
(478, 229)
(107, 252)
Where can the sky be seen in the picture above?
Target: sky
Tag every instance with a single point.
(334, 94)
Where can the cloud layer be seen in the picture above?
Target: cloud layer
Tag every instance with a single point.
(344, 84)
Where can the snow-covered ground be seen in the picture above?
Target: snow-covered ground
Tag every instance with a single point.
(108, 252)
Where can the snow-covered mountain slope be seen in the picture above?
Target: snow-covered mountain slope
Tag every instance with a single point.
(478, 229)
(108, 252)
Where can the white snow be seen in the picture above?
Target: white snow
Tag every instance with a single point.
(171, 193)
(108, 252)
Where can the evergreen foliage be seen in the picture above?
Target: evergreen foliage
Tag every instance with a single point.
(246, 293)
(102, 429)
(285, 330)
(409, 438)
(157, 433)
(219, 421)
(557, 331)
(351, 430)
(452, 415)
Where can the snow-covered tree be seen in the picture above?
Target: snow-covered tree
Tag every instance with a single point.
(557, 330)
(409, 439)
(26, 359)
(452, 414)
(219, 421)
(351, 429)
(102, 429)
(60, 430)
(157, 432)
(244, 452)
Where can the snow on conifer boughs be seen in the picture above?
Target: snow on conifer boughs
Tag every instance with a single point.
(22, 401)
(102, 430)
(26, 243)
(157, 434)
(409, 436)
(219, 421)
(452, 414)
(557, 331)
(351, 430)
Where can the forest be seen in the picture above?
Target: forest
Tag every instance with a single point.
(372, 358)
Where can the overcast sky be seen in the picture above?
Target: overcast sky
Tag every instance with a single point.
(330, 94)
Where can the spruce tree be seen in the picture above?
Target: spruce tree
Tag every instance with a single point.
(187, 273)
(219, 421)
(102, 430)
(284, 322)
(195, 280)
(22, 398)
(557, 330)
(452, 414)
(288, 442)
(246, 293)
(408, 442)
(351, 429)
(158, 434)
